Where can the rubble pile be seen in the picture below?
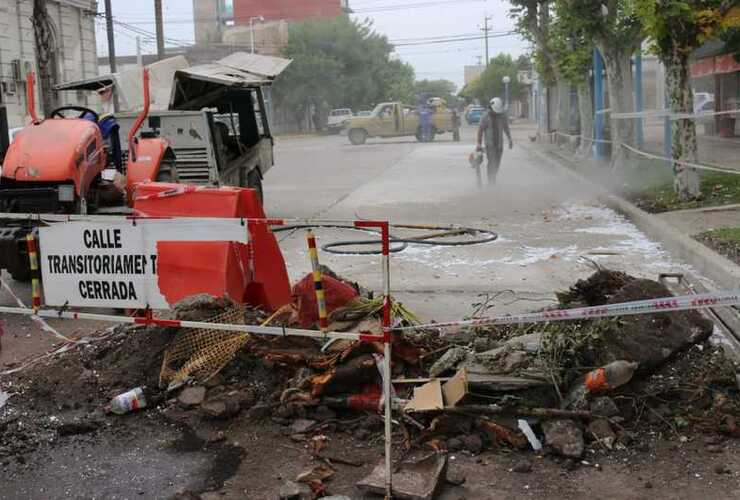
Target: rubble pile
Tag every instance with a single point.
(558, 389)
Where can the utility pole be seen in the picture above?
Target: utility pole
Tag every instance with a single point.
(486, 29)
(160, 28)
(111, 41)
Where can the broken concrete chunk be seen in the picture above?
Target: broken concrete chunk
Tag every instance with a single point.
(564, 437)
(192, 396)
(220, 408)
(412, 481)
(449, 361)
(291, 490)
(301, 426)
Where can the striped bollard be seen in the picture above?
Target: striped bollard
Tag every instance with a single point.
(33, 259)
(318, 285)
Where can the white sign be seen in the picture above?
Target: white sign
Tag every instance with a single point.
(113, 264)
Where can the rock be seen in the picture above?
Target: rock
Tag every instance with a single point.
(323, 412)
(714, 448)
(600, 430)
(523, 467)
(291, 490)
(449, 361)
(564, 437)
(362, 434)
(481, 344)
(77, 427)
(514, 360)
(220, 408)
(259, 412)
(192, 396)
(455, 478)
(648, 485)
(202, 307)
(604, 407)
(417, 480)
(473, 443)
(454, 444)
(301, 426)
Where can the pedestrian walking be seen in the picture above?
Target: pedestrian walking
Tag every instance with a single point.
(493, 126)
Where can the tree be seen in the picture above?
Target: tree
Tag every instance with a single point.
(534, 22)
(573, 51)
(617, 32)
(677, 28)
(43, 30)
(490, 83)
(339, 63)
(438, 88)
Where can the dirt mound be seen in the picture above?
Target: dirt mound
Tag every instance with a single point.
(595, 290)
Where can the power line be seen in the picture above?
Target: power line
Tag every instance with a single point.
(417, 5)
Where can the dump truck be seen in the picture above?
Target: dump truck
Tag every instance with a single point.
(214, 115)
(395, 119)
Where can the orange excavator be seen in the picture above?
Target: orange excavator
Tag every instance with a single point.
(59, 165)
(56, 165)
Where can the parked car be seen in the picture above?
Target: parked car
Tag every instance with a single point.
(337, 118)
(474, 115)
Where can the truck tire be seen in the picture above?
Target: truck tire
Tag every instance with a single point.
(357, 136)
(254, 181)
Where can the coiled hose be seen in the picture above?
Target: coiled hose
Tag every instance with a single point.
(400, 244)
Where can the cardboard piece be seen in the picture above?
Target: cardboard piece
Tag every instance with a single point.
(435, 396)
(428, 397)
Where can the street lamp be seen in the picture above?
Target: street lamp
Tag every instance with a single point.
(506, 81)
(251, 28)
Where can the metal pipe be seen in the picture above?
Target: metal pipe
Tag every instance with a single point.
(139, 119)
(31, 96)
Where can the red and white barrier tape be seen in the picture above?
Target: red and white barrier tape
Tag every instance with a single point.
(697, 166)
(652, 306)
(150, 320)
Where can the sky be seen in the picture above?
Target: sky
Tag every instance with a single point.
(402, 21)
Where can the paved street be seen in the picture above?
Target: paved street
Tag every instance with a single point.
(547, 222)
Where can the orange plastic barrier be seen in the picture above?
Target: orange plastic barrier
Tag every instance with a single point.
(254, 274)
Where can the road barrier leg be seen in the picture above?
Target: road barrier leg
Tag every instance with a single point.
(318, 285)
(34, 262)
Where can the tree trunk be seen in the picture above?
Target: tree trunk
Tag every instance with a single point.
(621, 100)
(45, 48)
(586, 110)
(686, 180)
(562, 112)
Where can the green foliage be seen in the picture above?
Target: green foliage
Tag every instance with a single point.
(572, 44)
(490, 83)
(613, 24)
(340, 63)
(728, 234)
(438, 88)
(678, 27)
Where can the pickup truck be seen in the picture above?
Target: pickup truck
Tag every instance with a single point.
(394, 119)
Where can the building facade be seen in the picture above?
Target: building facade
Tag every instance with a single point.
(74, 50)
(289, 10)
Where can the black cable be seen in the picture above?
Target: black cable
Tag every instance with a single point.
(397, 244)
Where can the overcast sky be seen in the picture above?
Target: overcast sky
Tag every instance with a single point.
(410, 19)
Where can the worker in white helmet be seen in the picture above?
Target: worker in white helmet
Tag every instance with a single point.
(493, 126)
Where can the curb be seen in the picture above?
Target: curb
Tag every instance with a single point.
(724, 272)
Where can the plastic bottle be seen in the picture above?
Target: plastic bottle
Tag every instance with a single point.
(127, 402)
(611, 376)
(607, 377)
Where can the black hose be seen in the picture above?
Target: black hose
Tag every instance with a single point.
(398, 244)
